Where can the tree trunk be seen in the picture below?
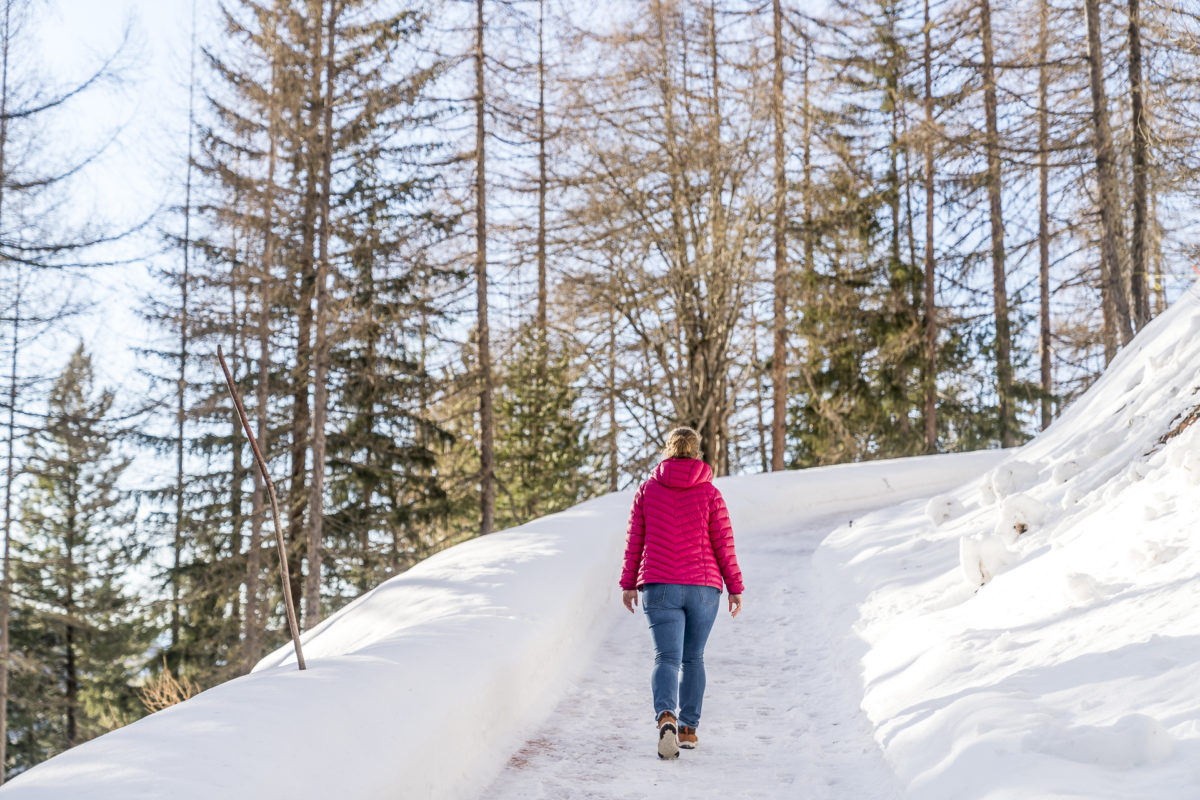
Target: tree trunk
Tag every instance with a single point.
(1160, 290)
(1109, 320)
(1115, 304)
(541, 229)
(930, 401)
(252, 647)
(901, 286)
(237, 472)
(759, 400)
(10, 476)
(1137, 267)
(613, 463)
(810, 266)
(71, 675)
(996, 218)
(316, 496)
(10, 471)
(808, 283)
(487, 459)
(1043, 114)
(306, 264)
(181, 385)
(253, 627)
(779, 351)
(181, 389)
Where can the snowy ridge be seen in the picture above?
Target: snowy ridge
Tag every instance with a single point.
(426, 686)
(1035, 633)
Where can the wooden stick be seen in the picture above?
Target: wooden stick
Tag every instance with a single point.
(262, 467)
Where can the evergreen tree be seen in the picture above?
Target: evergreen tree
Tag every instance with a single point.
(79, 637)
(385, 490)
(860, 386)
(542, 448)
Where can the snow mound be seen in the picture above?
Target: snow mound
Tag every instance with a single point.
(1043, 643)
(1018, 514)
(1013, 476)
(943, 507)
(982, 557)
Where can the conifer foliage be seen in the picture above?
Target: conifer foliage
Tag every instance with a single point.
(77, 633)
(544, 456)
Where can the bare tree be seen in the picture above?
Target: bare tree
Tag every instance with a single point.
(10, 472)
(487, 423)
(181, 384)
(10, 476)
(928, 138)
(779, 380)
(542, 184)
(316, 497)
(1004, 376)
(1043, 167)
(1116, 305)
(664, 174)
(1139, 295)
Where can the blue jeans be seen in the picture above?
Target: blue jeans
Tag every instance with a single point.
(680, 617)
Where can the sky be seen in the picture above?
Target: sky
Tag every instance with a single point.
(143, 118)
(140, 171)
(146, 110)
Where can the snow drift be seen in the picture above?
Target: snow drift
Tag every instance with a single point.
(1035, 633)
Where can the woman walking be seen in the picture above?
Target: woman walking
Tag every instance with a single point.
(678, 551)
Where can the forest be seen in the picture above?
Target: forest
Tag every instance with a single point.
(470, 261)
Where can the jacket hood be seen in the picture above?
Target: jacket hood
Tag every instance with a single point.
(682, 473)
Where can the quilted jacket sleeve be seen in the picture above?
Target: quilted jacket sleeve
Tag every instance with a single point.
(720, 533)
(635, 541)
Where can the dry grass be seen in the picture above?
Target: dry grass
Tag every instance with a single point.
(165, 690)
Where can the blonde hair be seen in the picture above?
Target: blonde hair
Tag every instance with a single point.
(682, 443)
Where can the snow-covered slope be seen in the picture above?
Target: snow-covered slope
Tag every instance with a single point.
(1036, 633)
(1030, 633)
(425, 686)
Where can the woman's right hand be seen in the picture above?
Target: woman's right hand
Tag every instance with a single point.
(629, 598)
(735, 605)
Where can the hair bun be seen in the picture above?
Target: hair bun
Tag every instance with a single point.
(682, 443)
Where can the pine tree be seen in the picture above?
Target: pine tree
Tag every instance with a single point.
(860, 390)
(386, 493)
(542, 451)
(80, 635)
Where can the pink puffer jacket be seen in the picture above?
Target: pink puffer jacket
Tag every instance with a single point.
(679, 530)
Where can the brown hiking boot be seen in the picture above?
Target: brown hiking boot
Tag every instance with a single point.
(687, 737)
(668, 743)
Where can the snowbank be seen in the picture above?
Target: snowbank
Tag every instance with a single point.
(425, 686)
(416, 689)
(1035, 633)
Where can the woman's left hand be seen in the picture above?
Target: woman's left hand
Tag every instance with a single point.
(735, 605)
(629, 598)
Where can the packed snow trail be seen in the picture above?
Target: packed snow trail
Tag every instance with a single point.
(781, 716)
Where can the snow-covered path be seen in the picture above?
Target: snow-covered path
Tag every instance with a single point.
(780, 718)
